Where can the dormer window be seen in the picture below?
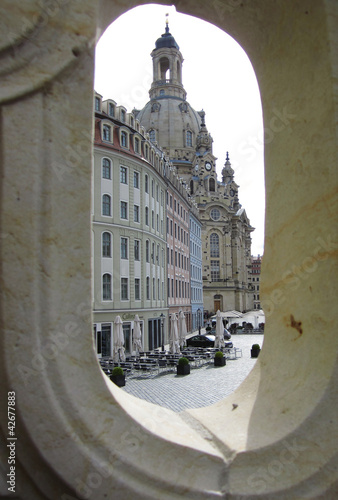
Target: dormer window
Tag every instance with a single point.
(146, 151)
(97, 104)
(137, 145)
(152, 135)
(111, 109)
(106, 132)
(132, 121)
(123, 115)
(124, 139)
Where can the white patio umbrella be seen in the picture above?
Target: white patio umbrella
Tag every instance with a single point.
(219, 340)
(118, 340)
(174, 344)
(137, 338)
(182, 327)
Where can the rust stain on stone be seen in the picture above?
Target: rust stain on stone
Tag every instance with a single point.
(296, 324)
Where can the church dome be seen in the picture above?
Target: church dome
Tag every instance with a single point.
(166, 40)
(173, 123)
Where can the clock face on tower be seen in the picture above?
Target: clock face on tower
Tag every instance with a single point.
(208, 166)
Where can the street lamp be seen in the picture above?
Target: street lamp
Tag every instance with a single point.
(162, 336)
(199, 320)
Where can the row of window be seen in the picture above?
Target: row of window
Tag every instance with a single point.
(107, 174)
(124, 249)
(181, 260)
(180, 233)
(196, 294)
(178, 289)
(196, 272)
(125, 137)
(195, 228)
(125, 292)
(177, 207)
(195, 250)
(124, 213)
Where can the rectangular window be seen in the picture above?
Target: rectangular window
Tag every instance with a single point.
(214, 270)
(136, 213)
(136, 180)
(154, 290)
(148, 287)
(172, 256)
(171, 202)
(106, 133)
(146, 184)
(157, 223)
(124, 210)
(152, 189)
(147, 216)
(137, 289)
(97, 104)
(137, 145)
(123, 175)
(152, 219)
(147, 251)
(124, 288)
(171, 227)
(167, 225)
(124, 248)
(137, 249)
(168, 288)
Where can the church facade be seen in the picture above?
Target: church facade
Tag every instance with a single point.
(182, 133)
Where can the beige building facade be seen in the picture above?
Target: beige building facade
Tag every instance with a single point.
(182, 132)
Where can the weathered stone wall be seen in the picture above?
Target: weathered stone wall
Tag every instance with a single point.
(80, 436)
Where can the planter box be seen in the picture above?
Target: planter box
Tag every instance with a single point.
(255, 352)
(119, 380)
(183, 369)
(220, 361)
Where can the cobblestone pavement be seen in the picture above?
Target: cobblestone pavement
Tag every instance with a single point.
(204, 386)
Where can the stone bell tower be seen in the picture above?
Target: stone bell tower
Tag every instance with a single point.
(167, 67)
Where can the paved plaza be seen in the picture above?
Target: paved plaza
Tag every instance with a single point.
(204, 386)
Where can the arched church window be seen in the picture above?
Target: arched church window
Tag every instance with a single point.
(152, 135)
(189, 138)
(212, 184)
(214, 245)
(161, 92)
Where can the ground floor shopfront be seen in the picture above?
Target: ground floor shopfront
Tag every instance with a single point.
(154, 326)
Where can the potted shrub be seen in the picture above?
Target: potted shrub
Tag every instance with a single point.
(183, 367)
(255, 350)
(219, 359)
(118, 376)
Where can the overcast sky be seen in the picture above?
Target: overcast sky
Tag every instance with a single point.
(218, 78)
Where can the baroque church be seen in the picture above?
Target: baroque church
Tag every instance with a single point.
(183, 135)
